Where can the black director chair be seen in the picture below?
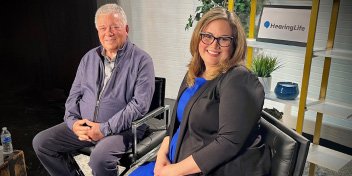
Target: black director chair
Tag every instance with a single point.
(288, 149)
(144, 149)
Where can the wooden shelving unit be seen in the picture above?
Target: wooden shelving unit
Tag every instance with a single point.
(318, 155)
(335, 53)
(335, 109)
(272, 96)
(327, 158)
(253, 43)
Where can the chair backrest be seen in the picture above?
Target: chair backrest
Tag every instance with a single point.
(159, 95)
(156, 130)
(289, 149)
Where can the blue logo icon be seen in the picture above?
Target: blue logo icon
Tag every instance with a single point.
(267, 24)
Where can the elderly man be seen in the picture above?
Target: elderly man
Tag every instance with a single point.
(113, 86)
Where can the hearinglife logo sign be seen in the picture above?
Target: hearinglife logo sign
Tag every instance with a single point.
(284, 24)
(298, 27)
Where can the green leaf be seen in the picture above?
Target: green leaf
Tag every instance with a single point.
(264, 65)
(197, 17)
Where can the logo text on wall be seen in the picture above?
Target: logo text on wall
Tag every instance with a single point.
(268, 25)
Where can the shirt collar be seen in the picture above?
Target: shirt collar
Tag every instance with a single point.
(120, 52)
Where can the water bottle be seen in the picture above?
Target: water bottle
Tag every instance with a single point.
(6, 141)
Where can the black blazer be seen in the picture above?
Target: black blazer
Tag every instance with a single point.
(220, 124)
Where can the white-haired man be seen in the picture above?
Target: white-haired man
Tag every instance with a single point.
(114, 85)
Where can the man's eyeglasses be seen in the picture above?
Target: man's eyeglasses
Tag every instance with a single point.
(208, 39)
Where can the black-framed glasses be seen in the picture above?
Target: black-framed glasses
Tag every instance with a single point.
(208, 39)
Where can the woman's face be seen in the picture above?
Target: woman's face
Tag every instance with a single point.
(213, 53)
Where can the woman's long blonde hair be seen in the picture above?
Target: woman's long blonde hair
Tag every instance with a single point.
(196, 67)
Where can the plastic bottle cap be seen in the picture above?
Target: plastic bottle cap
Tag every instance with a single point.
(4, 128)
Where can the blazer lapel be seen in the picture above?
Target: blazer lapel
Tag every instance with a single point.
(185, 118)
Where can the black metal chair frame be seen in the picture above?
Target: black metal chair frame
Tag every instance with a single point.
(145, 149)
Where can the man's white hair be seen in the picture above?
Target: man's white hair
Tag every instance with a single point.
(111, 8)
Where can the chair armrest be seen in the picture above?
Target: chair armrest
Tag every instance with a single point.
(135, 124)
(149, 115)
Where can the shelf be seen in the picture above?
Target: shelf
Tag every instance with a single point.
(335, 109)
(271, 96)
(331, 108)
(265, 45)
(335, 53)
(327, 158)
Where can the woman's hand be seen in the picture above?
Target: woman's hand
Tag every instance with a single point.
(161, 161)
(185, 167)
(169, 170)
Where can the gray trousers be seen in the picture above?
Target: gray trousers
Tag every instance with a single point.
(53, 145)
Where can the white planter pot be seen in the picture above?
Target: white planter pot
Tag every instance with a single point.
(266, 82)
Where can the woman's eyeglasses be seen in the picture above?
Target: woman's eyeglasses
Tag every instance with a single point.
(208, 39)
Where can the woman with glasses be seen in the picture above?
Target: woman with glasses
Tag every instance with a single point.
(214, 127)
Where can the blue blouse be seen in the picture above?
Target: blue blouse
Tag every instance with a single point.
(148, 169)
(185, 97)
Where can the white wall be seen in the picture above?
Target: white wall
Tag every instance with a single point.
(158, 27)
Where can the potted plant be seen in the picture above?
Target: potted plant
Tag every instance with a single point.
(263, 65)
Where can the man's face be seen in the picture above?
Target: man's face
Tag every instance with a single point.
(112, 32)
